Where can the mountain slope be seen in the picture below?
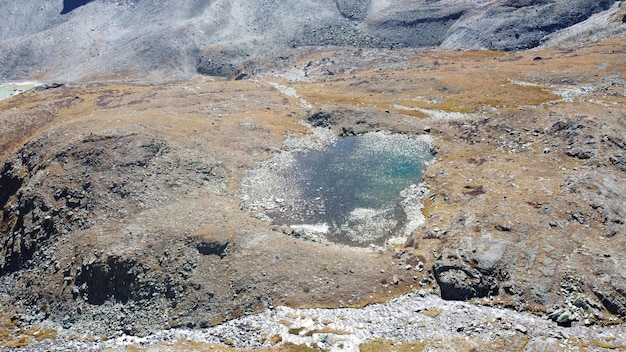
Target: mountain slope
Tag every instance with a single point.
(138, 38)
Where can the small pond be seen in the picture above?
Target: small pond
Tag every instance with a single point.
(10, 89)
(358, 190)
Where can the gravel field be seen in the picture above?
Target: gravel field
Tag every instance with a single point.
(418, 316)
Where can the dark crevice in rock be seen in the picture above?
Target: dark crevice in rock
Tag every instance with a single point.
(102, 280)
(206, 247)
(612, 301)
(619, 161)
(9, 183)
(321, 119)
(475, 190)
(28, 230)
(461, 283)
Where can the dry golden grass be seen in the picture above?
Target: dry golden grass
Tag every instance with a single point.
(608, 345)
(21, 341)
(432, 312)
(380, 345)
(515, 342)
(12, 336)
(468, 82)
(194, 346)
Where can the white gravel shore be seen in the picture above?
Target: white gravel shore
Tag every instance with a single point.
(414, 317)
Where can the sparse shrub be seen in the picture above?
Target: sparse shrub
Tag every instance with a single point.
(19, 342)
(275, 339)
(295, 331)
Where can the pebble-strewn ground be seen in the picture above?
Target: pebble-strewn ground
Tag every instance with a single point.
(414, 317)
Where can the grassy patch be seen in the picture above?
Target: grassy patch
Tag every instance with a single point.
(608, 345)
(432, 312)
(295, 331)
(40, 333)
(327, 331)
(18, 342)
(380, 345)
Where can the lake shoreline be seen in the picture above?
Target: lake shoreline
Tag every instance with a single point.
(10, 89)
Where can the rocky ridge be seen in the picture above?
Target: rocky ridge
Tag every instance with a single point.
(219, 38)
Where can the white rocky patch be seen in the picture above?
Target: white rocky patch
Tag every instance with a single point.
(405, 319)
(412, 205)
(291, 92)
(317, 228)
(438, 114)
(368, 225)
(568, 94)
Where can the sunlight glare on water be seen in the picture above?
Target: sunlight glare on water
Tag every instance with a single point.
(353, 186)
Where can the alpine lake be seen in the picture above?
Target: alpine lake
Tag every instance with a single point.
(357, 190)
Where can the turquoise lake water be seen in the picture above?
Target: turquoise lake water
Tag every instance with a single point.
(361, 174)
(10, 89)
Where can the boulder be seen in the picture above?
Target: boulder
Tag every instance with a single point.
(459, 281)
(543, 344)
(488, 253)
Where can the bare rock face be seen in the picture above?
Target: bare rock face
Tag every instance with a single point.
(613, 296)
(419, 24)
(461, 282)
(34, 219)
(217, 37)
(514, 25)
(354, 9)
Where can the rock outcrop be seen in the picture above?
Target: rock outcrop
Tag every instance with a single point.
(461, 277)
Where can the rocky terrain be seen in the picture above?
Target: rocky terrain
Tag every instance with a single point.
(59, 40)
(123, 182)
